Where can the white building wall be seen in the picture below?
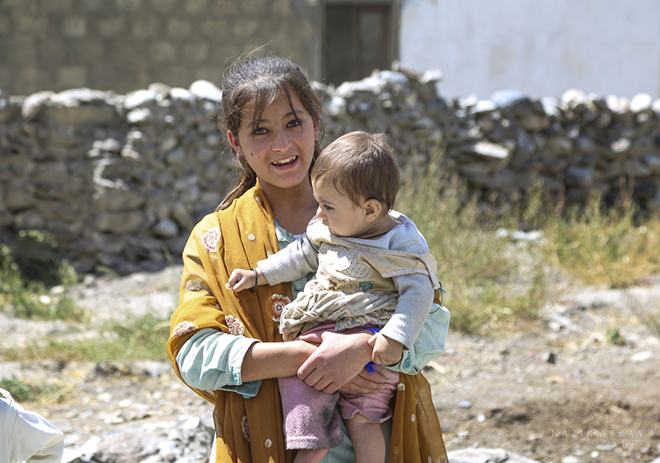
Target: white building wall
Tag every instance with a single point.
(539, 47)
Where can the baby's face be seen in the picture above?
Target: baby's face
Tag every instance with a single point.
(338, 212)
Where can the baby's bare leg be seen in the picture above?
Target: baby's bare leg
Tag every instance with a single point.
(310, 455)
(368, 440)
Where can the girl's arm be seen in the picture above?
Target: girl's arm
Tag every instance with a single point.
(265, 360)
(212, 360)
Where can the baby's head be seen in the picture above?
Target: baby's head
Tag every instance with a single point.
(361, 166)
(355, 181)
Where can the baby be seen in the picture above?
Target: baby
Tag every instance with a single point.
(373, 272)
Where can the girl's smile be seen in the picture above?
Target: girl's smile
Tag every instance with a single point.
(279, 144)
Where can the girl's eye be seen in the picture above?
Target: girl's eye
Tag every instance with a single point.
(260, 131)
(294, 123)
(328, 208)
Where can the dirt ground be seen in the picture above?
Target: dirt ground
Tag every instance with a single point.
(554, 390)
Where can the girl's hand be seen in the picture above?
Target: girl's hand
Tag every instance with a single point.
(386, 351)
(364, 383)
(338, 360)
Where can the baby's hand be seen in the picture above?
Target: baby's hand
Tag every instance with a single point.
(240, 280)
(386, 351)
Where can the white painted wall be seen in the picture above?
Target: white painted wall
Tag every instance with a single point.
(539, 47)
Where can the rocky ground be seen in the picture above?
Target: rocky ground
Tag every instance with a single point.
(554, 390)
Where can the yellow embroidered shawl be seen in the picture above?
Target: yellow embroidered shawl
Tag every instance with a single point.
(250, 430)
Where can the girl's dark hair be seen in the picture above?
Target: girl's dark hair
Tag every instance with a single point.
(260, 81)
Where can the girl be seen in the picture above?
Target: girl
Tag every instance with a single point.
(226, 346)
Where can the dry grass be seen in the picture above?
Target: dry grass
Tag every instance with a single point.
(492, 283)
(605, 247)
(489, 284)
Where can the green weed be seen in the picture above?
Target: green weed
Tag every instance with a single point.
(28, 392)
(615, 337)
(29, 298)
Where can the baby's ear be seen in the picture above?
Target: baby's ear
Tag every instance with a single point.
(372, 209)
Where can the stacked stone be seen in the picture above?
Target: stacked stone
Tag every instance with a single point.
(573, 145)
(402, 104)
(120, 180)
(117, 180)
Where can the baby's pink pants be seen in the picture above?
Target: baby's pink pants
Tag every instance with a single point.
(311, 420)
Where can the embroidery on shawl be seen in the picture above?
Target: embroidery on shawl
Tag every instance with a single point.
(183, 328)
(210, 239)
(279, 302)
(235, 326)
(246, 430)
(194, 285)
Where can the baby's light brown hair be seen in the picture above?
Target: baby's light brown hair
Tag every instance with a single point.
(361, 166)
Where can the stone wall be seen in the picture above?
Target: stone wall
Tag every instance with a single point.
(122, 45)
(119, 180)
(506, 144)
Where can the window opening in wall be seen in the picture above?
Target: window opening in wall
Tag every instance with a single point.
(357, 41)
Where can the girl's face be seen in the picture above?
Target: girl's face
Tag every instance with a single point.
(280, 145)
